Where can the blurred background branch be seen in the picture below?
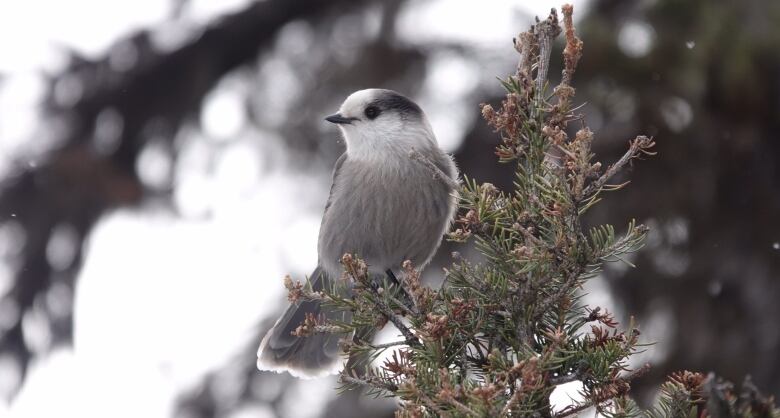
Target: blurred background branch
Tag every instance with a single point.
(81, 179)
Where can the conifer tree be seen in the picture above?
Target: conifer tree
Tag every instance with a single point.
(500, 335)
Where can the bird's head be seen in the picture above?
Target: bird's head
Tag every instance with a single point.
(376, 122)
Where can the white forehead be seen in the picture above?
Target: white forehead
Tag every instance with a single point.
(357, 101)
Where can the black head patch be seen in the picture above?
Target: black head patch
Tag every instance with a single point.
(390, 101)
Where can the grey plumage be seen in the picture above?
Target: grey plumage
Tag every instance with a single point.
(390, 215)
(383, 206)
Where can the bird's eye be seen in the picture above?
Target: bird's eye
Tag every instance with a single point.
(372, 112)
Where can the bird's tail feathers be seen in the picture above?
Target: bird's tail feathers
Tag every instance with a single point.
(306, 357)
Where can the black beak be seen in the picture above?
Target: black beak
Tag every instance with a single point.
(338, 119)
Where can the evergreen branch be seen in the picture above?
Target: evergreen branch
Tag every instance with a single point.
(402, 306)
(391, 316)
(410, 304)
(358, 270)
(568, 285)
(621, 386)
(529, 236)
(640, 145)
(500, 335)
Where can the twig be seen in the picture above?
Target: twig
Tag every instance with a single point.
(388, 345)
(371, 382)
(437, 173)
(639, 145)
(569, 411)
(546, 32)
(388, 313)
(403, 306)
(330, 329)
(358, 270)
(566, 287)
(410, 307)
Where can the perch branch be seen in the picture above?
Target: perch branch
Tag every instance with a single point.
(388, 313)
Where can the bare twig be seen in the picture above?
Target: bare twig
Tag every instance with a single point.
(388, 313)
(409, 303)
(369, 381)
(572, 410)
(408, 310)
(330, 329)
(436, 171)
(390, 344)
(546, 32)
(640, 145)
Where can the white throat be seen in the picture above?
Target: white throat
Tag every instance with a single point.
(388, 140)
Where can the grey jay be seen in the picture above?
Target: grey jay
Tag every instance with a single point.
(383, 206)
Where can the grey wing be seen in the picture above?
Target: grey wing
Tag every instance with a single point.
(336, 169)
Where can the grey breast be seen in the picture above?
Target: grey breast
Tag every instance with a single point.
(385, 214)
